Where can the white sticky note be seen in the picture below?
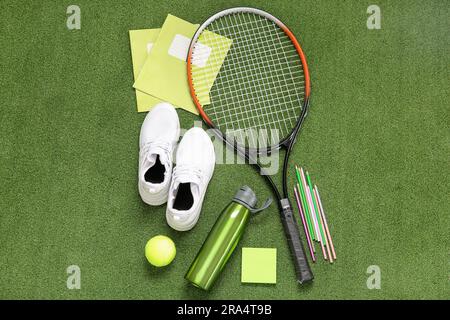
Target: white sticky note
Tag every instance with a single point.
(180, 46)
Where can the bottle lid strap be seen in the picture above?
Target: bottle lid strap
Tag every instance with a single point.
(263, 207)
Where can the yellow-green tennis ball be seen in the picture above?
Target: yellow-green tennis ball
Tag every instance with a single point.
(160, 251)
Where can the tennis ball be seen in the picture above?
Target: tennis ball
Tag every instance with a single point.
(160, 251)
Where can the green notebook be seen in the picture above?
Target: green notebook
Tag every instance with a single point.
(141, 43)
(164, 74)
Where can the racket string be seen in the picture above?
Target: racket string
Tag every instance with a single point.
(261, 81)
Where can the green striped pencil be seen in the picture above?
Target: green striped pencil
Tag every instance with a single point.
(305, 206)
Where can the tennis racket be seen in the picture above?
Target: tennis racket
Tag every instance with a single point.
(259, 97)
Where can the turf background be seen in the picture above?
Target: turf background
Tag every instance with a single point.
(376, 141)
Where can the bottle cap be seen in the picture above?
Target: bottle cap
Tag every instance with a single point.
(247, 198)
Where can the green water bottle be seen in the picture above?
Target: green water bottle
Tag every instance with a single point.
(223, 239)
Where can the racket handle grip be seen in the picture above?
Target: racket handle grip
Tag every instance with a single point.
(301, 264)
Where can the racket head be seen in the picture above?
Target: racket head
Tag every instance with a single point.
(261, 88)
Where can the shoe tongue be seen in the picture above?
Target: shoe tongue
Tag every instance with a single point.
(153, 153)
(151, 158)
(195, 190)
(187, 178)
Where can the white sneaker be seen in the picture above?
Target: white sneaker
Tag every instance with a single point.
(159, 134)
(194, 169)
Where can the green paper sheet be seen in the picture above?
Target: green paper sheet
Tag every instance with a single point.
(164, 73)
(141, 43)
(259, 265)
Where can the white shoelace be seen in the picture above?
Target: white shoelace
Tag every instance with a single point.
(191, 172)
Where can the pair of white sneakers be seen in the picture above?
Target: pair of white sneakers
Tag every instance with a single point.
(182, 187)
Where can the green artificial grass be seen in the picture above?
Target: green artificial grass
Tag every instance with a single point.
(376, 142)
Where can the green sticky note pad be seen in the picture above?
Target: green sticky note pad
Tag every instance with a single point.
(259, 265)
